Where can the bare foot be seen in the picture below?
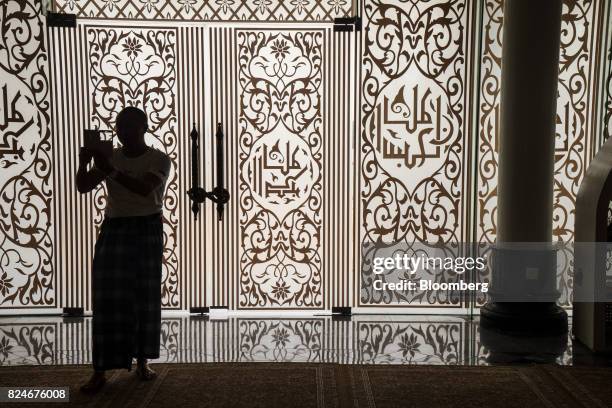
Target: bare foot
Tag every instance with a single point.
(145, 372)
(95, 382)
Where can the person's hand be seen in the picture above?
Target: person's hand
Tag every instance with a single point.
(103, 163)
(85, 156)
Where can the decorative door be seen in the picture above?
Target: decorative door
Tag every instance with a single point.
(285, 96)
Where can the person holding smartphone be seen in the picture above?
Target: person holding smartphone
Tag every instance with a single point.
(127, 263)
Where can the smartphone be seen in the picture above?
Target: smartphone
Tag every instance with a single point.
(92, 140)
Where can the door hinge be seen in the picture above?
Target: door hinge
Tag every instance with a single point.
(342, 310)
(61, 20)
(344, 24)
(72, 312)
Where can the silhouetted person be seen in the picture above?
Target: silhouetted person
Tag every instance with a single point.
(127, 264)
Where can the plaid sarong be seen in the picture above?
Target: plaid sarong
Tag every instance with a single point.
(126, 289)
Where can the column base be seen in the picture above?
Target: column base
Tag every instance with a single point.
(524, 318)
(510, 348)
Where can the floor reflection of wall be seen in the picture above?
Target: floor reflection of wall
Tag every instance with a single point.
(437, 340)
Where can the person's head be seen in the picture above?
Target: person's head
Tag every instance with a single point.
(131, 126)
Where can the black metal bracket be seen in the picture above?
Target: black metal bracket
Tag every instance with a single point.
(61, 20)
(72, 312)
(205, 309)
(199, 310)
(341, 314)
(342, 310)
(347, 24)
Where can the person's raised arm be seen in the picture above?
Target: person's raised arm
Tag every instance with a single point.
(87, 180)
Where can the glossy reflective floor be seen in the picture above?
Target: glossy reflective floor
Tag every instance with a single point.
(368, 339)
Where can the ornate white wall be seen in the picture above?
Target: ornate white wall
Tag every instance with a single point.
(333, 140)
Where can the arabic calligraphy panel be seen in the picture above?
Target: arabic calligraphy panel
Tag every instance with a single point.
(26, 274)
(280, 155)
(413, 128)
(281, 171)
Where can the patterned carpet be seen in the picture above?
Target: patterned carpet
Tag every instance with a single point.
(295, 385)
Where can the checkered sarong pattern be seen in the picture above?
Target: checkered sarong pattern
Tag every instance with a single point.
(126, 290)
